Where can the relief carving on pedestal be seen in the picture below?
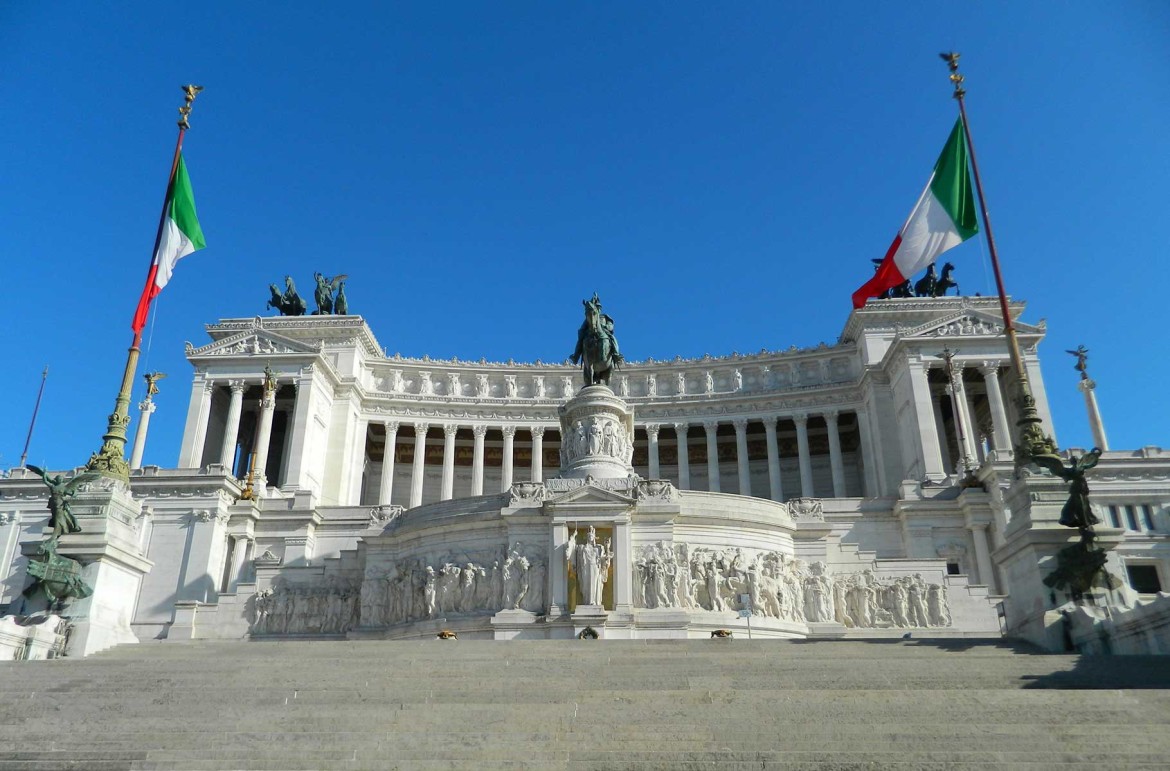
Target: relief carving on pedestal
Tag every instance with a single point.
(597, 435)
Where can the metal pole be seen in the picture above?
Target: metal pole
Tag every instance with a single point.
(33, 422)
(110, 459)
(1032, 439)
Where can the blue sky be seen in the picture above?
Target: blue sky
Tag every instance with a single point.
(721, 174)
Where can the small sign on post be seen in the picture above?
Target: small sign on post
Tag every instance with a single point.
(745, 611)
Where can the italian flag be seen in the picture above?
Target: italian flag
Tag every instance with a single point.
(179, 235)
(943, 217)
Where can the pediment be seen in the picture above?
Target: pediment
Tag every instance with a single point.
(589, 494)
(252, 342)
(967, 323)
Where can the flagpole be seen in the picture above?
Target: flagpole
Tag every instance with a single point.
(32, 423)
(1032, 438)
(111, 459)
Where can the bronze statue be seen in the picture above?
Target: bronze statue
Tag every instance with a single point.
(1077, 512)
(324, 293)
(58, 577)
(289, 303)
(61, 517)
(1082, 354)
(924, 287)
(945, 281)
(340, 304)
(596, 345)
(152, 379)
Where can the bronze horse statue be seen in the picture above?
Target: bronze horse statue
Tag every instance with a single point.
(596, 347)
(945, 281)
(289, 303)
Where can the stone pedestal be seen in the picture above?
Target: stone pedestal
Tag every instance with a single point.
(597, 430)
(1028, 556)
(112, 565)
(515, 624)
(589, 616)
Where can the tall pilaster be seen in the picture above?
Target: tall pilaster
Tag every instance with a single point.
(417, 471)
(774, 486)
(652, 450)
(712, 427)
(538, 453)
(983, 556)
(477, 433)
(741, 456)
(871, 459)
(835, 464)
(198, 415)
(227, 451)
(387, 486)
(448, 489)
(1088, 387)
(147, 409)
(684, 461)
(506, 471)
(1001, 438)
(300, 475)
(357, 463)
(240, 546)
(805, 458)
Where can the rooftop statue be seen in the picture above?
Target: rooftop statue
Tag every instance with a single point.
(1082, 354)
(596, 345)
(324, 293)
(61, 517)
(289, 303)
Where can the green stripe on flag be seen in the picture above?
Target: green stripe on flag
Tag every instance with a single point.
(951, 185)
(182, 208)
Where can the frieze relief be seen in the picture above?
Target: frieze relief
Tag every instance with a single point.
(781, 587)
(328, 608)
(598, 435)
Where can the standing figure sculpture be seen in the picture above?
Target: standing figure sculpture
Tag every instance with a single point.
(1082, 354)
(596, 347)
(591, 562)
(61, 517)
(324, 292)
(1077, 511)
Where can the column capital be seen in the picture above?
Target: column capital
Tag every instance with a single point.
(391, 426)
(990, 369)
(711, 426)
(479, 431)
(740, 425)
(509, 431)
(652, 430)
(1085, 385)
(237, 386)
(149, 407)
(537, 432)
(420, 429)
(682, 428)
(800, 418)
(770, 422)
(450, 429)
(831, 416)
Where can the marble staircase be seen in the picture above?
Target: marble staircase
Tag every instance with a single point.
(621, 705)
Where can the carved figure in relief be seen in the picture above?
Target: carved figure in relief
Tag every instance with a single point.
(467, 588)
(818, 594)
(591, 562)
(454, 388)
(682, 383)
(538, 386)
(397, 382)
(623, 386)
(938, 610)
(709, 382)
(425, 386)
(597, 347)
(429, 590)
(510, 386)
(737, 381)
(593, 447)
(651, 385)
(483, 388)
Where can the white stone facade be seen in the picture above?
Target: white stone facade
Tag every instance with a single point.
(395, 497)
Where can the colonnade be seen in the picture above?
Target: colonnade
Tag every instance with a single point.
(928, 402)
(653, 466)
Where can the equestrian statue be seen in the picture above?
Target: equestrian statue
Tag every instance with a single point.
(596, 347)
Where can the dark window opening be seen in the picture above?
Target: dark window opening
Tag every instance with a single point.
(952, 568)
(1144, 578)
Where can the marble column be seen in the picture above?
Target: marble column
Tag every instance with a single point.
(147, 409)
(936, 400)
(478, 432)
(711, 427)
(506, 471)
(774, 486)
(538, 453)
(227, 451)
(420, 453)
(805, 458)
(871, 459)
(741, 456)
(684, 462)
(448, 489)
(1001, 437)
(964, 414)
(240, 544)
(835, 462)
(652, 450)
(1089, 388)
(201, 391)
(386, 489)
(928, 450)
(264, 435)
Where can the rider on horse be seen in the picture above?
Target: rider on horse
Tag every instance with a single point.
(596, 344)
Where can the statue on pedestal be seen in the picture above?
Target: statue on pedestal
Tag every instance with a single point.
(596, 345)
(1077, 511)
(61, 517)
(289, 303)
(591, 562)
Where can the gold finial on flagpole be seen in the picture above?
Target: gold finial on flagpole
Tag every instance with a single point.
(191, 90)
(952, 60)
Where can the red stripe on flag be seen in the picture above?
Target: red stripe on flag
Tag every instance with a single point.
(886, 277)
(149, 292)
